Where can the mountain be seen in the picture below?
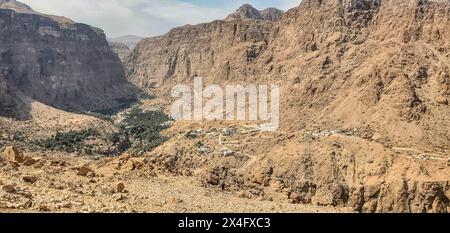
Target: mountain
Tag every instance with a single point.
(58, 62)
(129, 40)
(121, 49)
(247, 11)
(364, 101)
(123, 45)
(23, 8)
(16, 6)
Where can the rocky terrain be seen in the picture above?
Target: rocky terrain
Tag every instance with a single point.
(129, 40)
(121, 49)
(57, 62)
(249, 12)
(365, 88)
(370, 79)
(123, 45)
(40, 183)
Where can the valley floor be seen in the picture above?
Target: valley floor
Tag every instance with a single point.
(54, 184)
(215, 168)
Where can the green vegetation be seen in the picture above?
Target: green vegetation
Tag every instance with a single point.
(139, 132)
(68, 141)
(123, 103)
(143, 129)
(199, 144)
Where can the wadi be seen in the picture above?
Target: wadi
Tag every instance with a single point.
(358, 121)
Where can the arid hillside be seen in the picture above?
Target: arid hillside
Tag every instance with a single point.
(364, 115)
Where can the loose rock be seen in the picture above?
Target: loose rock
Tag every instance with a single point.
(442, 100)
(44, 208)
(30, 179)
(175, 200)
(119, 197)
(138, 163)
(120, 187)
(28, 161)
(9, 188)
(12, 154)
(129, 166)
(85, 171)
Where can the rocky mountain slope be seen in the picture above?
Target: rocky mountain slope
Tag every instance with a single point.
(220, 48)
(129, 40)
(247, 11)
(121, 49)
(364, 106)
(57, 62)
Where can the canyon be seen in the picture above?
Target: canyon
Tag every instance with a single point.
(364, 115)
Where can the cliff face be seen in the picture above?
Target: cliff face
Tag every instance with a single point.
(365, 90)
(130, 40)
(122, 46)
(122, 50)
(58, 62)
(220, 48)
(7, 104)
(367, 56)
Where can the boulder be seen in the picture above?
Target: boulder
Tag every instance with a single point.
(30, 179)
(134, 164)
(442, 100)
(120, 187)
(85, 171)
(28, 161)
(9, 188)
(13, 155)
(44, 208)
(128, 166)
(138, 162)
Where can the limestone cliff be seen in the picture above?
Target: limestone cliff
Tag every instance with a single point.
(225, 49)
(58, 62)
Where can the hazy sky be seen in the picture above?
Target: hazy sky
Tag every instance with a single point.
(147, 17)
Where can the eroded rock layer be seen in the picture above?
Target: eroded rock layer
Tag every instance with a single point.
(58, 62)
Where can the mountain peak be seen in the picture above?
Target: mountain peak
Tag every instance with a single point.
(25, 9)
(247, 11)
(246, 6)
(16, 6)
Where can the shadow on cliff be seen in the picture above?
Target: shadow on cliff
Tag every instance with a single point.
(18, 107)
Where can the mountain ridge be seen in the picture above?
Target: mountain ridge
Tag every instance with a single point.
(247, 11)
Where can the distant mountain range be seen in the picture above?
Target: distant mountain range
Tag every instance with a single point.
(129, 40)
